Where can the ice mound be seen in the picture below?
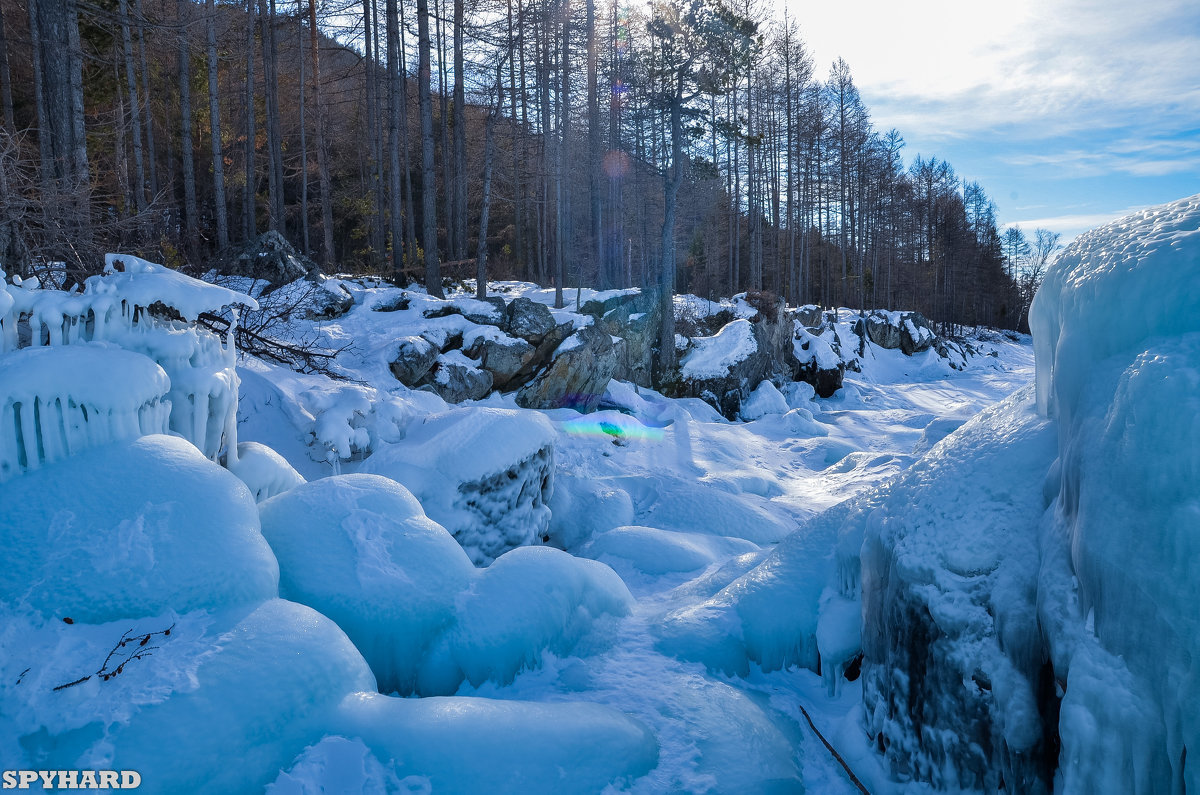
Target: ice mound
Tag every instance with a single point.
(531, 600)
(58, 402)
(471, 745)
(221, 706)
(132, 529)
(265, 472)
(360, 549)
(1117, 336)
(652, 551)
(582, 507)
(485, 474)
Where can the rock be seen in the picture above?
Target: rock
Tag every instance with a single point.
(916, 333)
(488, 312)
(825, 380)
(413, 359)
(636, 321)
(268, 257)
(599, 309)
(529, 320)
(810, 316)
(330, 300)
(503, 358)
(577, 374)
(456, 378)
(723, 369)
(542, 353)
(879, 330)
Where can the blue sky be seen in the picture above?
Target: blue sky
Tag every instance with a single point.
(1068, 112)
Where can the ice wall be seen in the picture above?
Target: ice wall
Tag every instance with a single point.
(1117, 333)
(131, 306)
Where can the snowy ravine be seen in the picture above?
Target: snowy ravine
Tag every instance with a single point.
(964, 581)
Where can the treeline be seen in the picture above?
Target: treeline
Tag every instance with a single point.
(688, 145)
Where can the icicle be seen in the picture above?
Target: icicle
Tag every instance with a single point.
(29, 434)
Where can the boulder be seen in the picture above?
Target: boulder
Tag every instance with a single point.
(488, 312)
(825, 380)
(577, 374)
(723, 369)
(529, 320)
(414, 357)
(503, 358)
(878, 328)
(809, 316)
(916, 333)
(268, 257)
(456, 378)
(635, 321)
(542, 352)
(329, 300)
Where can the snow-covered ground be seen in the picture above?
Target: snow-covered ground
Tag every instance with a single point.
(632, 659)
(681, 502)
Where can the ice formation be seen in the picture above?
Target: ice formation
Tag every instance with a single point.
(360, 549)
(132, 528)
(485, 474)
(1117, 334)
(131, 306)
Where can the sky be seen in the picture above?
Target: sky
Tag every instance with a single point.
(1070, 113)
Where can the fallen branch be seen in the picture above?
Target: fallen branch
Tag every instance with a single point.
(853, 778)
(141, 651)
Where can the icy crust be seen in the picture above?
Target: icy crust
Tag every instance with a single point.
(711, 357)
(485, 474)
(220, 705)
(360, 549)
(56, 403)
(1122, 589)
(1110, 290)
(472, 745)
(156, 527)
(530, 601)
(1117, 336)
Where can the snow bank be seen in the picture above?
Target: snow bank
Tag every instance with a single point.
(485, 474)
(471, 745)
(583, 507)
(142, 283)
(223, 703)
(58, 402)
(264, 471)
(529, 601)
(360, 549)
(131, 529)
(1117, 335)
(765, 399)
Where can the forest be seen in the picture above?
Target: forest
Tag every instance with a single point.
(685, 145)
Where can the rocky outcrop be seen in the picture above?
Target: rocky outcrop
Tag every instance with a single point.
(529, 320)
(577, 374)
(503, 357)
(635, 319)
(456, 378)
(910, 332)
(414, 357)
(268, 257)
(329, 300)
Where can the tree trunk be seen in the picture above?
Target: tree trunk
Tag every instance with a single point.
(326, 183)
(250, 189)
(672, 179)
(214, 108)
(460, 139)
(304, 240)
(187, 156)
(489, 148)
(6, 78)
(270, 49)
(433, 275)
(395, 73)
(593, 102)
(135, 113)
(152, 167)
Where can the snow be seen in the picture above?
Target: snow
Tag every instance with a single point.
(766, 399)
(482, 473)
(155, 526)
(711, 357)
(142, 283)
(360, 549)
(690, 539)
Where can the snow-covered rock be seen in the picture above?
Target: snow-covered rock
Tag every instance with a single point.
(413, 357)
(132, 528)
(485, 474)
(455, 378)
(529, 320)
(766, 399)
(577, 374)
(359, 549)
(265, 472)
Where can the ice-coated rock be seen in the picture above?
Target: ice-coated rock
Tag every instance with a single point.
(360, 549)
(485, 474)
(158, 527)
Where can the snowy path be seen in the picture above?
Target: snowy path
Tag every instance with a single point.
(709, 480)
